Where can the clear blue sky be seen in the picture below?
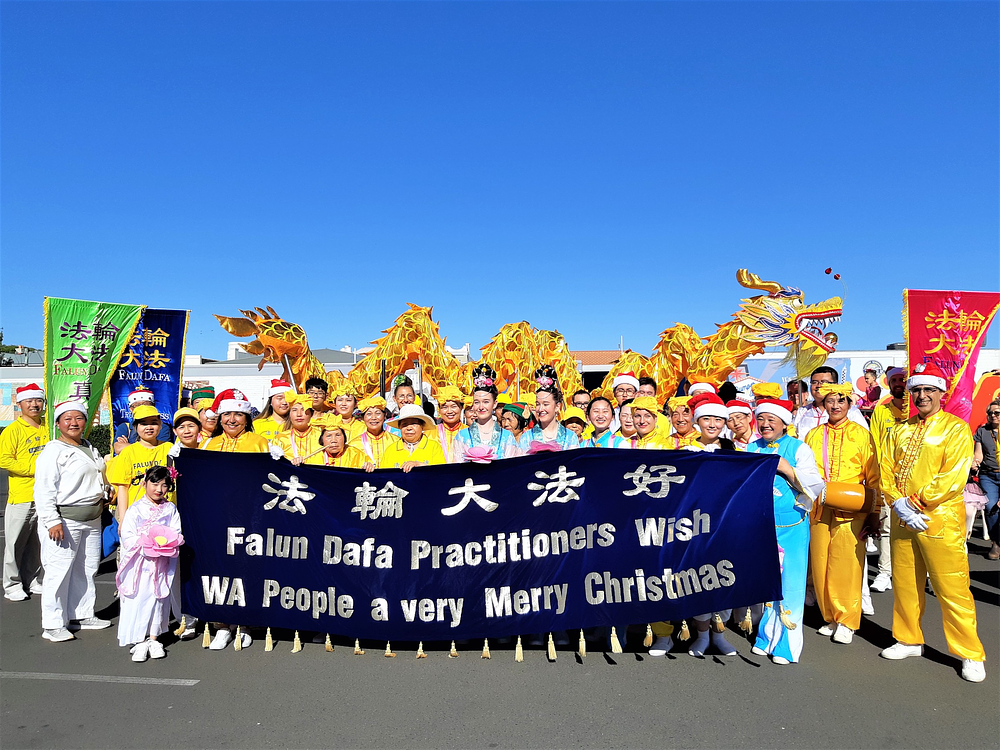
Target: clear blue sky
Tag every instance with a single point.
(600, 168)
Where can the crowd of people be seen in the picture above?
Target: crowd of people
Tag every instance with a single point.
(843, 481)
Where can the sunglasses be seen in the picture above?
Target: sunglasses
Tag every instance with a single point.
(993, 414)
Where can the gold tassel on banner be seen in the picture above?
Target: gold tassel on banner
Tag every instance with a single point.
(182, 626)
(239, 639)
(329, 644)
(388, 651)
(582, 646)
(616, 646)
(268, 641)
(717, 624)
(518, 651)
(746, 624)
(296, 643)
(420, 651)
(358, 651)
(685, 634)
(453, 654)
(648, 640)
(552, 648)
(486, 648)
(786, 620)
(206, 640)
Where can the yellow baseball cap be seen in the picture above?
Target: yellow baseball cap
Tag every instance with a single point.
(144, 411)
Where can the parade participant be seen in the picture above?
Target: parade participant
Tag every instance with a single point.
(336, 451)
(548, 405)
(484, 432)
(187, 430)
(581, 398)
(516, 418)
(741, 423)
(345, 401)
(797, 484)
(20, 443)
(925, 466)
(601, 414)
(812, 415)
(69, 497)
(647, 387)
(574, 419)
(695, 388)
(503, 400)
(887, 415)
(402, 391)
(203, 398)
(302, 439)
(682, 422)
(414, 447)
(234, 431)
(468, 413)
(845, 452)
(626, 430)
(375, 439)
(148, 565)
(317, 389)
(985, 466)
(136, 457)
(125, 433)
(274, 419)
(450, 401)
(624, 387)
(648, 433)
(710, 415)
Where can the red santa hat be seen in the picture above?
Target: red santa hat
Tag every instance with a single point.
(780, 408)
(708, 405)
(231, 400)
(738, 407)
(928, 374)
(625, 378)
(695, 388)
(72, 404)
(279, 386)
(31, 390)
(140, 395)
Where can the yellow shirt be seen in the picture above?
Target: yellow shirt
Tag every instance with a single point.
(373, 447)
(884, 419)
(247, 442)
(425, 450)
(133, 461)
(850, 455)
(445, 436)
(659, 441)
(353, 430)
(20, 444)
(268, 428)
(296, 444)
(351, 458)
(927, 460)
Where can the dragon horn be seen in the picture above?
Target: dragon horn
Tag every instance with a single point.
(753, 281)
(271, 310)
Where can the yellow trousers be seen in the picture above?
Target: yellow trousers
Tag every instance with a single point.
(837, 556)
(940, 553)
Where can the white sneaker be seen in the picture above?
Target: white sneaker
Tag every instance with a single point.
(901, 651)
(867, 608)
(882, 583)
(35, 588)
(870, 547)
(661, 646)
(779, 660)
(245, 640)
(827, 629)
(92, 623)
(222, 639)
(758, 651)
(973, 671)
(17, 595)
(58, 635)
(190, 629)
(140, 652)
(156, 650)
(843, 634)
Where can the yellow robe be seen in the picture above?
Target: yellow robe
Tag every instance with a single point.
(295, 444)
(353, 430)
(133, 461)
(836, 551)
(884, 419)
(247, 442)
(373, 447)
(20, 444)
(425, 450)
(268, 428)
(928, 462)
(446, 437)
(351, 458)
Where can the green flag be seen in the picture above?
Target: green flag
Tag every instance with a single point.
(83, 343)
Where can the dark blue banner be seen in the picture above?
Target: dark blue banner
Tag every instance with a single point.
(154, 358)
(523, 545)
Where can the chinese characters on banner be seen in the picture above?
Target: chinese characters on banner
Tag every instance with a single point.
(83, 342)
(154, 358)
(948, 328)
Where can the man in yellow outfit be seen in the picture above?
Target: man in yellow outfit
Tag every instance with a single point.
(891, 412)
(20, 443)
(924, 470)
(845, 452)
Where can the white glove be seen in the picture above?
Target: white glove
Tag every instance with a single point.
(276, 453)
(909, 515)
(175, 450)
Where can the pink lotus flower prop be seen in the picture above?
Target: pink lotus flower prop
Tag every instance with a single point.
(160, 541)
(538, 446)
(480, 454)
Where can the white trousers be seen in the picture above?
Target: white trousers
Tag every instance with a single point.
(68, 590)
(22, 567)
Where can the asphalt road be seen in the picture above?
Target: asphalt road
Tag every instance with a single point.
(839, 696)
